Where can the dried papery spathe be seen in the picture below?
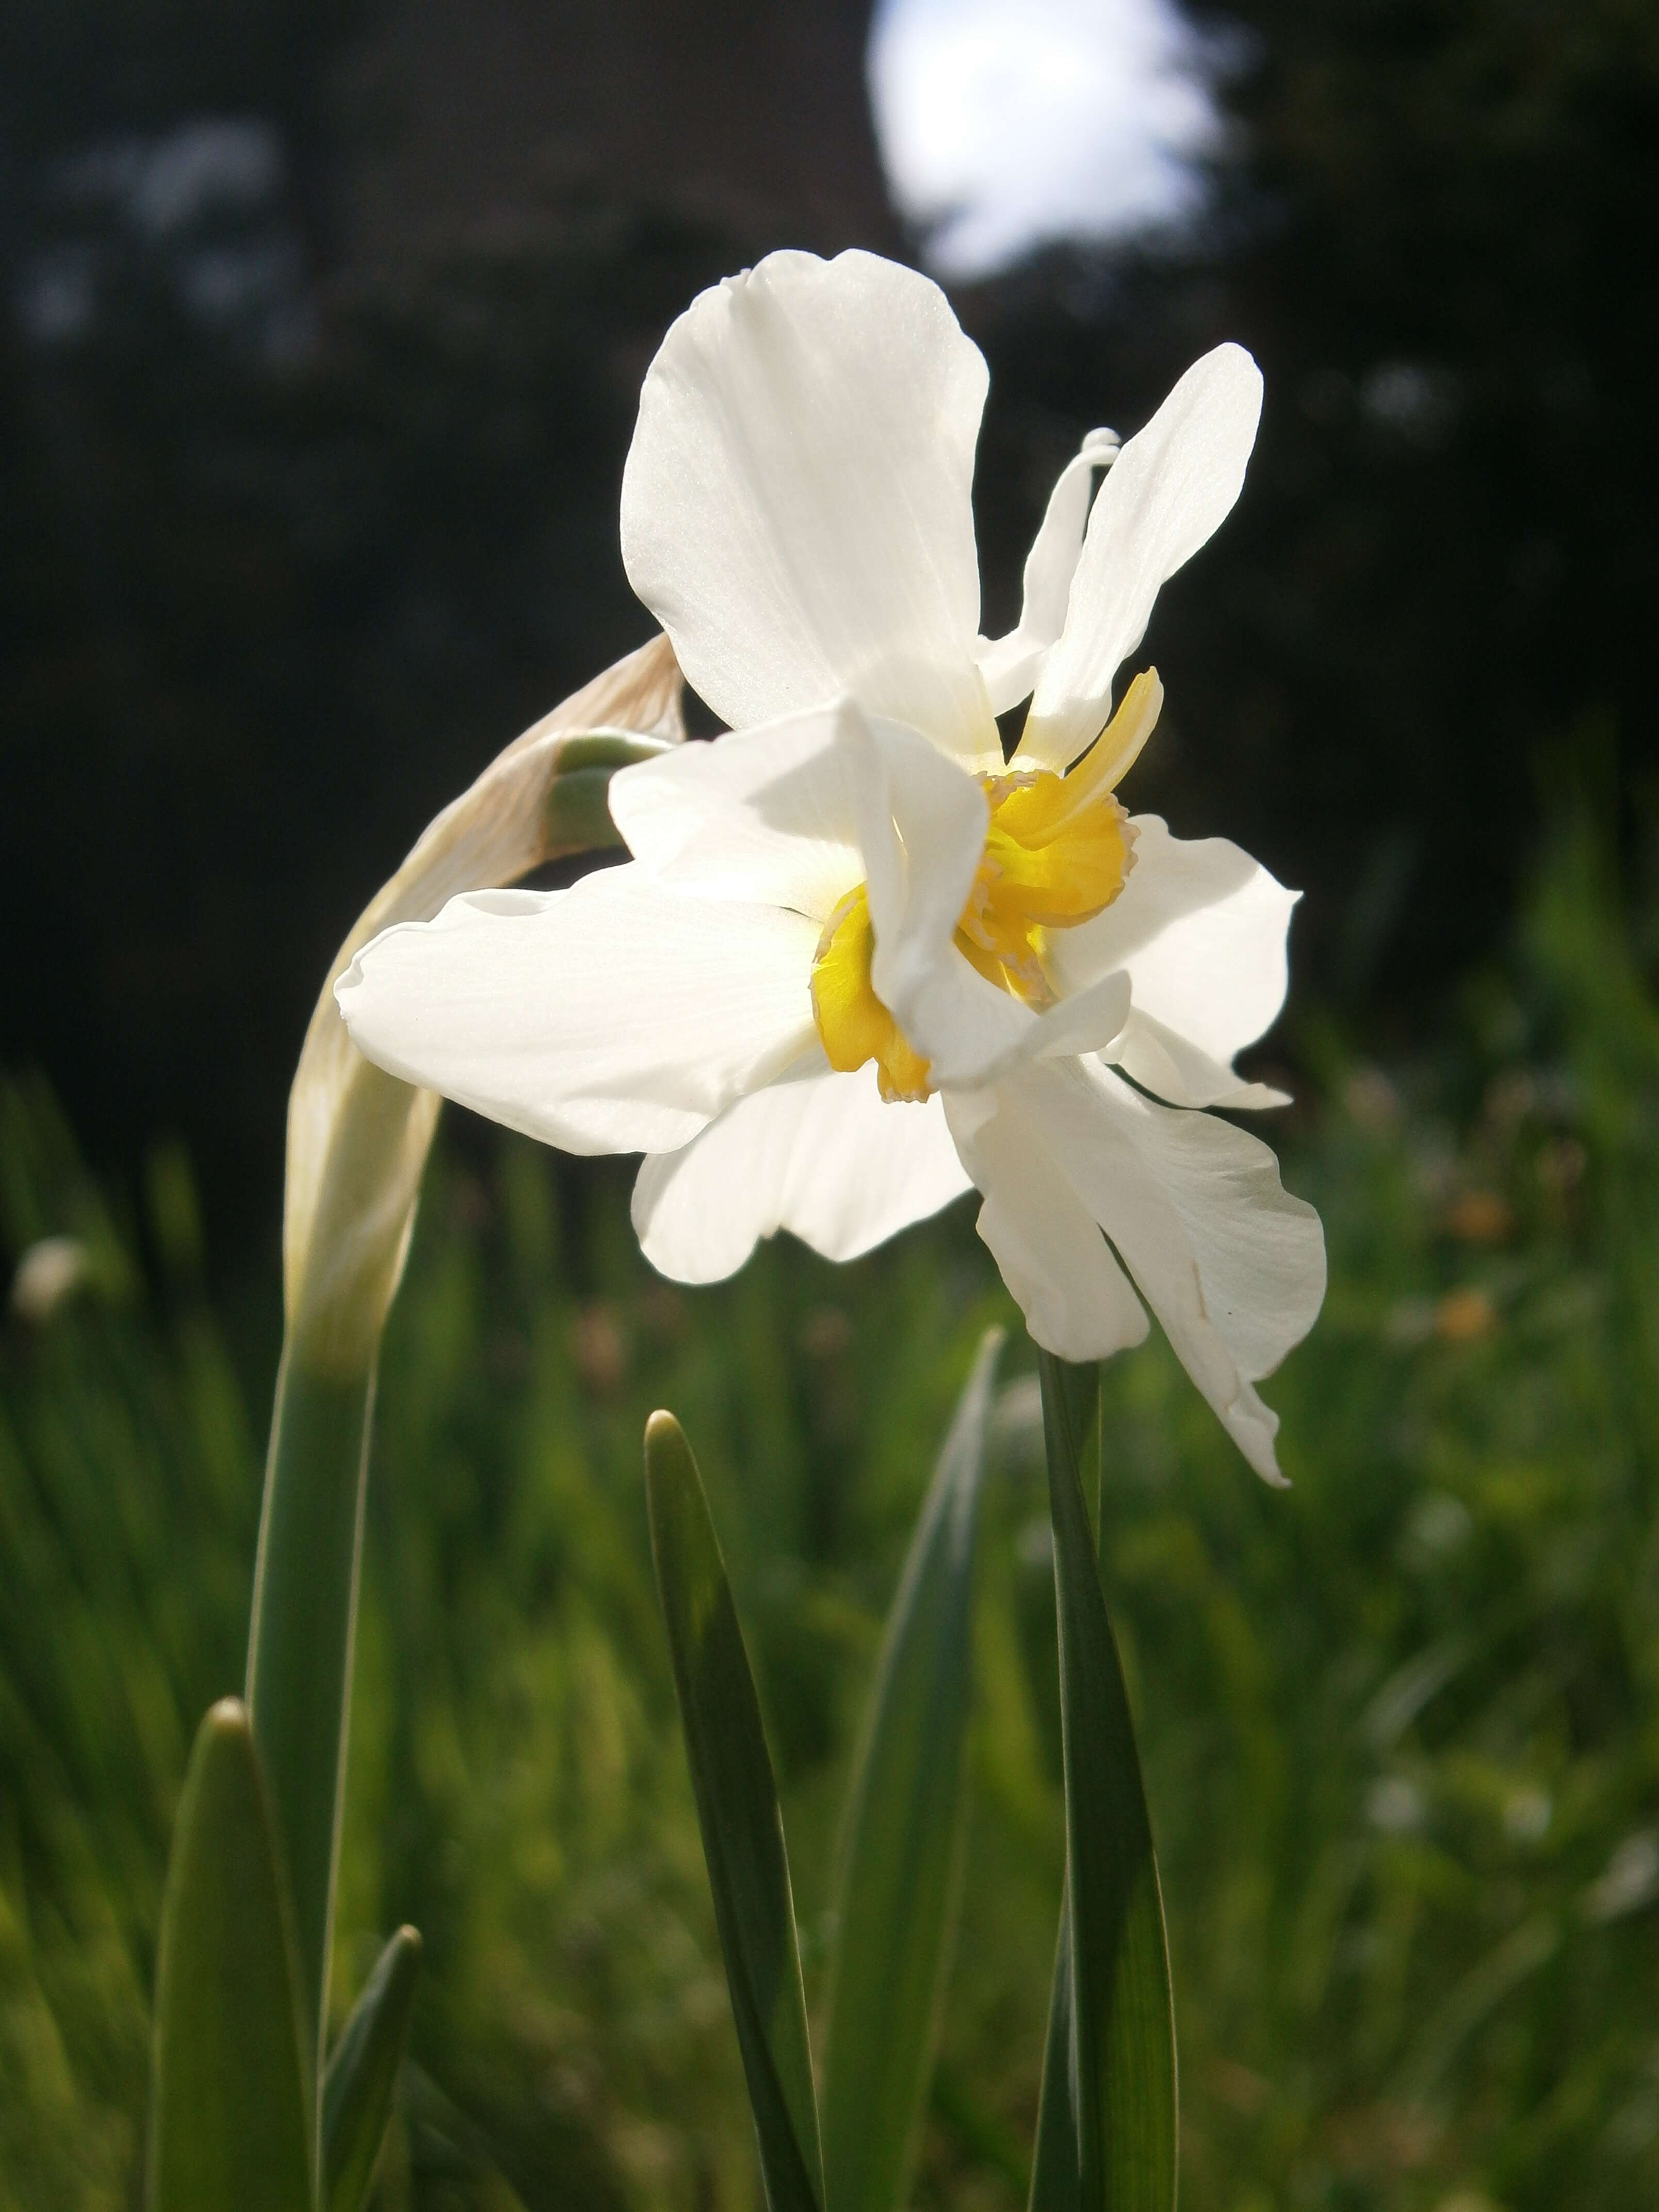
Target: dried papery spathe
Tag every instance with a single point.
(357, 1138)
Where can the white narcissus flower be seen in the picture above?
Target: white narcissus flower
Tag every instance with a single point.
(857, 963)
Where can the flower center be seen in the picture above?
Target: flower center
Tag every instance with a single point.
(1057, 853)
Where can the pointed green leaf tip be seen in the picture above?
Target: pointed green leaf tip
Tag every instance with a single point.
(1056, 2184)
(737, 1809)
(1106, 2128)
(900, 1869)
(231, 2113)
(363, 2072)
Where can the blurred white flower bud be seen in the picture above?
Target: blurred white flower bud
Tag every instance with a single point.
(50, 1271)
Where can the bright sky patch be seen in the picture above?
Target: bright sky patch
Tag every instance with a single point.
(1009, 124)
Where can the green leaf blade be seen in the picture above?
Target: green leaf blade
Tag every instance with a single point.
(899, 1879)
(232, 2118)
(363, 2072)
(1120, 2050)
(737, 1811)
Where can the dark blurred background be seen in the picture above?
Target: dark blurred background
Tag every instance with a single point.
(324, 327)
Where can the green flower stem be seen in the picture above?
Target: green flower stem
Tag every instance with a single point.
(1107, 2129)
(299, 1662)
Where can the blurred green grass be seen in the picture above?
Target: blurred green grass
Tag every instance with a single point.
(1400, 1724)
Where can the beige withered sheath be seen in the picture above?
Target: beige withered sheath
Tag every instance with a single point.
(357, 1138)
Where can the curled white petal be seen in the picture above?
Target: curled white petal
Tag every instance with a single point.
(921, 827)
(820, 1154)
(797, 505)
(1233, 1265)
(1260, 1251)
(1093, 1020)
(1170, 488)
(1200, 928)
(1173, 1067)
(760, 814)
(1044, 1240)
(1012, 664)
(616, 1016)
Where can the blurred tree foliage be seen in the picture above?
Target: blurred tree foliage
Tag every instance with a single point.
(289, 553)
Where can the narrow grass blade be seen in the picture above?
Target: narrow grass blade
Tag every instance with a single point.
(737, 1808)
(1122, 2054)
(231, 2115)
(362, 2072)
(901, 1871)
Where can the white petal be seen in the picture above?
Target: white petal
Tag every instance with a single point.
(1093, 1020)
(1200, 927)
(1174, 1068)
(1260, 1253)
(1011, 664)
(796, 508)
(612, 1017)
(821, 1155)
(1233, 1266)
(1053, 1257)
(921, 824)
(760, 814)
(1170, 488)
(1090, 1021)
